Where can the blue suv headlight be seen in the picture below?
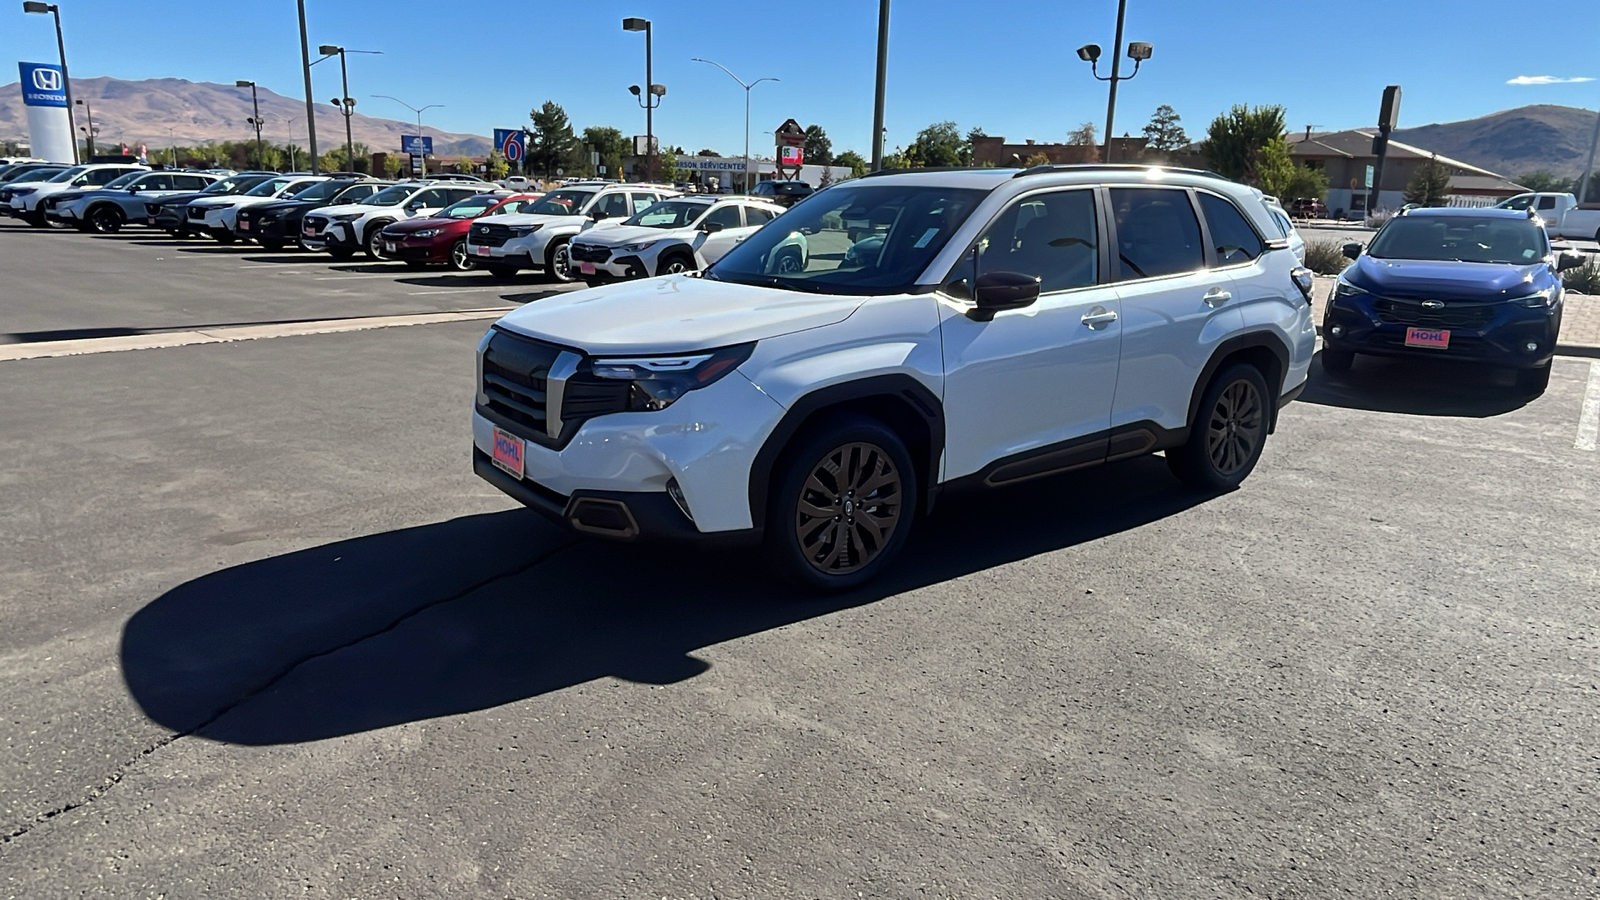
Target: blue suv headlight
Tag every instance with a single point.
(1537, 300)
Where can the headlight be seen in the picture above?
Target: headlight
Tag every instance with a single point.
(523, 230)
(658, 381)
(1342, 288)
(426, 233)
(345, 217)
(1538, 300)
(635, 248)
(23, 192)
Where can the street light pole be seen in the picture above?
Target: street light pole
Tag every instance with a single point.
(32, 6)
(305, 68)
(418, 111)
(346, 104)
(1138, 51)
(883, 77)
(648, 99)
(90, 131)
(255, 120)
(747, 88)
(1588, 170)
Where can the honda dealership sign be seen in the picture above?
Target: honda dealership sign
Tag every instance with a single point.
(44, 95)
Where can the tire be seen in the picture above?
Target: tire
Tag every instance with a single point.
(341, 253)
(1534, 381)
(416, 264)
(802, 543)
(271, 245)
(789, 260)
(225, 237)
(35, 219)
(557, 264)
(675, 263)
(460, 260)
(104, 219)
(1228, 431)
(503, 273)
(373, 242)
(1337, 361)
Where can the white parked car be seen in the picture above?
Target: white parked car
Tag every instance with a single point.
(219, 216)
(1562, 216)
(1280, 217)
(25, 198)
(538, 238)
(683, 234)
(1005, 326)
(342, 230)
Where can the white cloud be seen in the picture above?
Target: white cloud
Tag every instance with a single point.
(1547, 79)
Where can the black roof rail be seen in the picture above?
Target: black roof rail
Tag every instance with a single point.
(1114, 167)
(928, 169)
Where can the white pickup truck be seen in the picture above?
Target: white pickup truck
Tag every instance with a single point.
(1563, 217)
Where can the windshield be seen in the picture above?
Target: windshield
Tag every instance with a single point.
(321, 190)
(1481, 239)
(560, 203)
(470, 208)
(124, 180)
(900, 229)
(234, 185)
(669, 214)
(66, 175)
(267, 188)
(390, 196)
(1521, 201)
(29, 173)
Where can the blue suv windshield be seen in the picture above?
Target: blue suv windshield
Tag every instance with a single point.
(1477, 239)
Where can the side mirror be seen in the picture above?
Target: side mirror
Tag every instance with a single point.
(599, 214)
(998, 291)
(1571, 259)
(711, 227)
(134, 189)
(1352, 250)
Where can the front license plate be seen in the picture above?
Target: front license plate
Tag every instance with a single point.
(508, 449)
(1428, 337)
(244, 225)
(586, 268)
(388, 246)
(310, 232)
(152, 220)
(481, 251)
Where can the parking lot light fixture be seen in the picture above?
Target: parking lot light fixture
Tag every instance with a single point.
(649, 99)
(34, 6)
(1138, 51)
(255, 120)
(747, 88)
(346, 103)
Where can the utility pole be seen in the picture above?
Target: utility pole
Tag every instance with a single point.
(1116, 68)
(305, 68)
(1588, 169)
(883, 76)
(255, 120)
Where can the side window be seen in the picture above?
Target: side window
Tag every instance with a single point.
(642, 202)
(1236, 241)
(459, 194)
(1053, 236)
(615, 206)
(359, 192)
(726, 216)
(190, 182)
(102, 176)
(434, 198)
(156, 183)
(1157, 233)
(755, 215)
(1547, 203)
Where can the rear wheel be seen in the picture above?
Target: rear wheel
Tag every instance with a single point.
(842, 505)
(105, 219)
(1228, 433)
(1337, 360)
(460, 259)
(1534, 381)
(677, 263)
(557, 262)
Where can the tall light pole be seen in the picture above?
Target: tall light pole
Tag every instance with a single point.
(255, 120)
(34, 6)
(1588, 170)
(883, 77)
(1138, 51)
(172, 145)
(418, 111)
(650, 98)
(345, 104)
(288, 130)
(91, 131)
(305, 69)
(747, 88)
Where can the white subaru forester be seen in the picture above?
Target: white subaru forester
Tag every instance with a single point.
(991, 326)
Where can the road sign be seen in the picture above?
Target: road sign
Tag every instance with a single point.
(641, 148)
(512, 143)
(1369, 178)
(416, 145)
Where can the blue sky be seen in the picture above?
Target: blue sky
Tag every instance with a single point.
(1005, 65)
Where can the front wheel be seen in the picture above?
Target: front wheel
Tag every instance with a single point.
(374, 241)
(1337, 361)
(1228, 433)
(460, 259)
(676, 264)
(558, 262)
(105, 220)
(842, 504)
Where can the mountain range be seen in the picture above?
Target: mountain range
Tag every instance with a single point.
(163, 111)
(160, 111)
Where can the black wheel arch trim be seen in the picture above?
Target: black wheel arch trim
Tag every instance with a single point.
(912, 394)
(667, 253)
(1228, 348)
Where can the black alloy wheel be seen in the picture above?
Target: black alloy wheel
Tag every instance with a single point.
(1228, 433)
(677, 264)
(105, 219)
(558, 262)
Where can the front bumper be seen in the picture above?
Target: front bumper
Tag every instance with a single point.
(525, 252)
(617, 268)
(432, 250)
(1356, 325)
(61, 215)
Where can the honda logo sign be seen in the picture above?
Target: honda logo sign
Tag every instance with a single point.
(42, 85)
(47, 80)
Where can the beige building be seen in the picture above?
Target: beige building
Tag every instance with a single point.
(1346, 155)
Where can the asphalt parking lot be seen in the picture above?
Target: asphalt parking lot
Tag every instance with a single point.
(265, 633)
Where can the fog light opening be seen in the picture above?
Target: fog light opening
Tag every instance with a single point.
(1336, 330)
(1531, 347)
(676, 493)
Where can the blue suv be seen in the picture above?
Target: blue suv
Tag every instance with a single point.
(1480, 285)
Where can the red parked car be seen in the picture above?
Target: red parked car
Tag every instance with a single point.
(442, 237)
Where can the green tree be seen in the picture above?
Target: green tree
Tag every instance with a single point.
(818, 149)
(857, 164)
(708, 152)
(1429, 185)
(1545, 181)
(336, 161)
(498, 167)
(610, 144)
(939, 144)
(1165, 132)
(1238, 142)
(1274, 168)
(550, 140)
(667, 165)
(1084, 135)
(1036, 159)
(1305, 182)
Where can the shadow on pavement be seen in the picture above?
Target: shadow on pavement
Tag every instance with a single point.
(1418, 387)
(485, 610)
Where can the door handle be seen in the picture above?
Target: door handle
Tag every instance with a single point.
(1217, 297)
(1098, 316)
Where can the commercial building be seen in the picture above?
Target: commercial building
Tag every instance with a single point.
(1346, 155)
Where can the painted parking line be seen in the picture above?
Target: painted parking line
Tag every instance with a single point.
(229, 333)
(1589, 419)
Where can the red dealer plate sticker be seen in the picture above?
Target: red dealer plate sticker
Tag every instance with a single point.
(508, 450)
(586, 268)
(310, 231)
(1427, 337)
(480, 250)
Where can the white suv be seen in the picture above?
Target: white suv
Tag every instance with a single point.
(342, 230)
(27, 197)
(219, 216)
(682, 234)
(998, 326)
(537, 237)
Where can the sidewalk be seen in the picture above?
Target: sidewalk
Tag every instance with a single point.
(1580, 321)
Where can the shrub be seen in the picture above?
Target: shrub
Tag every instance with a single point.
(1583, 280)
(1325, 257)
(1379, 218)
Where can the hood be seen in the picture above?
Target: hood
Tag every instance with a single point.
(180, 199)
(212, 202)
(414, 225)
(1427, 279)
(345, 209)
(675, 314)
(281, 205)
(526, 219)
(617, 235)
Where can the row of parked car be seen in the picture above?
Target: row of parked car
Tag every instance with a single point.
(591, 231)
